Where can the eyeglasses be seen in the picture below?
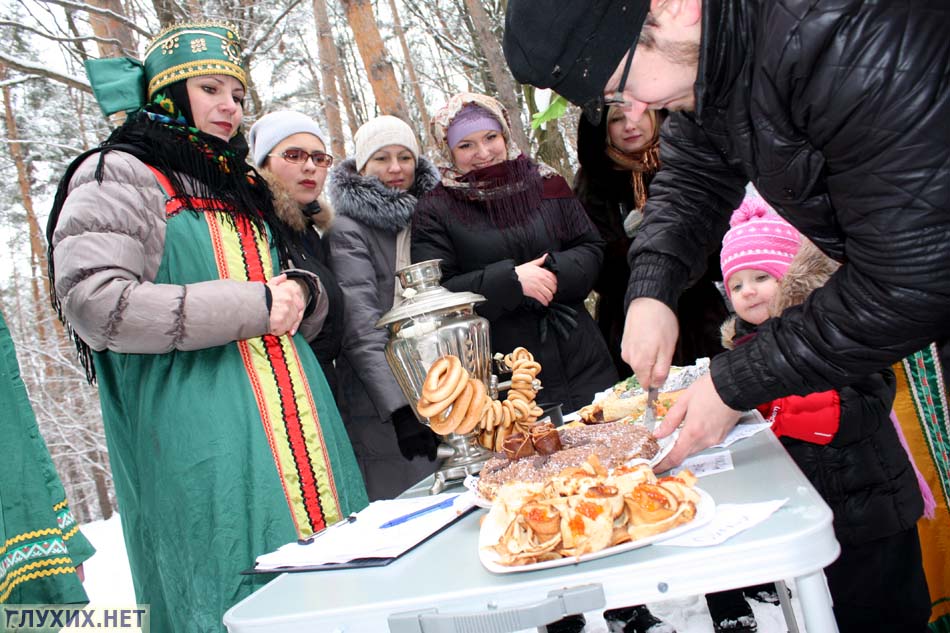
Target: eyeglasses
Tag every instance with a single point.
(595, 108)
(297, 156)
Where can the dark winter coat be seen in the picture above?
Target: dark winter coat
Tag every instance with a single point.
(607, 195)
(839, 114)
(864, 473)
(309, 251)
(479, 257)
(369, 216)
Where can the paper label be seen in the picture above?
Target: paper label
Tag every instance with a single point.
(742, 431)
(730, 519)
(707, 464)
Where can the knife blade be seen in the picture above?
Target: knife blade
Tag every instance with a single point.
(649, 415)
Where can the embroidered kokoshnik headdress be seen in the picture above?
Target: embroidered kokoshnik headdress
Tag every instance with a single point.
(178, 52)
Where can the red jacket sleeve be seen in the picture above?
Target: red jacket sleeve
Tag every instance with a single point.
(813, 418)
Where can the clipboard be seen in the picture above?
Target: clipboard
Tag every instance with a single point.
(466, 507)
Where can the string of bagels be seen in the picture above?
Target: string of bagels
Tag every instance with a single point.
(455, 402)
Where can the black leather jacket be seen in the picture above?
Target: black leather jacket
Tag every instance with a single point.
(839, 113)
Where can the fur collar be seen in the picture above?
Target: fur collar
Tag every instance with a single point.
(288, 210)
(809, 269)
(368, 201)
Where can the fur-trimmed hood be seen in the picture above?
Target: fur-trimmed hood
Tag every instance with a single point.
(289, 211)
(810, 269)
(368, 201)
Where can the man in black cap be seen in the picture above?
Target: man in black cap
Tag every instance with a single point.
(837, 112)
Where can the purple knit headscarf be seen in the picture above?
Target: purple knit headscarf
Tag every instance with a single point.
(471, 118)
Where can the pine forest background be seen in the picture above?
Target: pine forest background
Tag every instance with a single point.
(340, 61)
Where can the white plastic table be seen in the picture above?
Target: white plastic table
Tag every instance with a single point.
(441, 587)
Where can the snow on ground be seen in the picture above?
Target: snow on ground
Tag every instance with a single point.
(108, 579)
(109, 583)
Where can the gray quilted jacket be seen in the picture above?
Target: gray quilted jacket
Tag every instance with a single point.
(107, 248)
(363, 256)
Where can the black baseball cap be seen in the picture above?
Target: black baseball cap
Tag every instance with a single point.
(571, 46)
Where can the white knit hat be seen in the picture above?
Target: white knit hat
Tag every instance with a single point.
(272, 128)
(380, 132)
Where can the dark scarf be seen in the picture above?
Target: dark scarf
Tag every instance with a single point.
(162, 136)
(509, 196)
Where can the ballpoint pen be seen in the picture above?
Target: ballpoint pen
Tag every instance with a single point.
(343, 521)
(447, 503)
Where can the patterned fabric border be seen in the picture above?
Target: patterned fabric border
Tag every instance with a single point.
(923, 374)
(288, 411)
(43, 548)
(286, 404)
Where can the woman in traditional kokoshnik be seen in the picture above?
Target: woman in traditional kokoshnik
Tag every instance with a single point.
(223, 436)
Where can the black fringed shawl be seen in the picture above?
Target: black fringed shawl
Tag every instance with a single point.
(218, 168)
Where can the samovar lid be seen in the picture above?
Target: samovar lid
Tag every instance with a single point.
(422, 294)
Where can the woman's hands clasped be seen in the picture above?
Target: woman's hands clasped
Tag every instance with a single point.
(288, 302)
(537, 282)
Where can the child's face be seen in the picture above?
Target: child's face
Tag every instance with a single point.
(751, 291)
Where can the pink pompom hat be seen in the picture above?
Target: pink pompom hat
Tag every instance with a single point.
(759, 239)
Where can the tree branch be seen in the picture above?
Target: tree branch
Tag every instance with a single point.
(88, 8)
(55, 38)
(33, 68)
(265, 36)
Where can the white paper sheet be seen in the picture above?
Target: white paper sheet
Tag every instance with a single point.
(363, 538)
(730, 519)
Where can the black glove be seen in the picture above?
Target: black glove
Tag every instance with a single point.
(413, 437)
(562, 318)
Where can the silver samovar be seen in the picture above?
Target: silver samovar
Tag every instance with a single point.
(429, 323)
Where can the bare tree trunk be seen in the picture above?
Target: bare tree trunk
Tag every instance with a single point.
(107, 28)
(165, 10)
(551, 149)
(352, 121)
(499, 70)
(411, 71)
(481, 66)
(379, 70)
(102, 489)
(355, 108)
(329, 67)
(78, 503)
(441, 43)
(37, 243)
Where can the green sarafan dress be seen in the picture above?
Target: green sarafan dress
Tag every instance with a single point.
(40, 542)
(224, 453)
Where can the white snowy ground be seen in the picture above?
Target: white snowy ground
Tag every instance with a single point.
(109, 583)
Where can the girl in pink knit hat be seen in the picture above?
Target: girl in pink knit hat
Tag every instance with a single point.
(756, 252)
(843, 439)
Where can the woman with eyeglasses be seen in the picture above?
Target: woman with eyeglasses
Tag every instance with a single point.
(289, 150)
(374, 194)
(223, 438)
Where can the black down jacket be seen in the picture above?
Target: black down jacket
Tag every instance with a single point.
(839, 114)
(863, 473)
(479, 257)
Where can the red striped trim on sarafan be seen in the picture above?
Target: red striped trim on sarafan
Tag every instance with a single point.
(287, 408)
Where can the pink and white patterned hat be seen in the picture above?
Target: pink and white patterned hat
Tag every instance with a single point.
(759, 239)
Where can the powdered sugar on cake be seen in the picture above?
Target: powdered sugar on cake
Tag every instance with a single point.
(613, 444)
